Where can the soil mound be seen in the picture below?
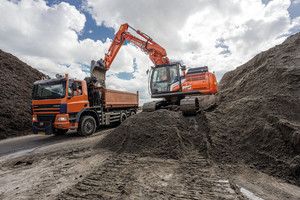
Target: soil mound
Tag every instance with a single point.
(163, 134)
(16, 81)
(257, 118)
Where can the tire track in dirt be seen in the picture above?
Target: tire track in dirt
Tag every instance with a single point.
(128, 176)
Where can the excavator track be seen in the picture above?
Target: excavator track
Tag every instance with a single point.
(189, 106)
(150, 106)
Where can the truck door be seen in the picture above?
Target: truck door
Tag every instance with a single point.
(77, 99)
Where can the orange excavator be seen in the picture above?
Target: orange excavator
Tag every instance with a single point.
(167, 80)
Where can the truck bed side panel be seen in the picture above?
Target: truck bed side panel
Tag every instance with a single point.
(120, 99)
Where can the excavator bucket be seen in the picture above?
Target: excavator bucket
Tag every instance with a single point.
(98, 70)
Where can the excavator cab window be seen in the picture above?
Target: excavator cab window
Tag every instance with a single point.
(163, 78)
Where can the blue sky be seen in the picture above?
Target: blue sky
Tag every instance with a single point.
(100, 32)
(64, 36)
(91, 30)
(96, 32)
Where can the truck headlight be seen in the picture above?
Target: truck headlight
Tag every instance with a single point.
(62, 119)
(34, 119)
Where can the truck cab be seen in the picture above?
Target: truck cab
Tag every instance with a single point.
(55, 103)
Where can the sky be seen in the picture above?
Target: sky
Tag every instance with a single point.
(63, 36)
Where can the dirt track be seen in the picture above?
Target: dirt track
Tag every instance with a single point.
(45, 171)
(79, 169)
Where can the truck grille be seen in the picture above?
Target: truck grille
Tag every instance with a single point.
(46, 106)
(50, 108)
(46, 117)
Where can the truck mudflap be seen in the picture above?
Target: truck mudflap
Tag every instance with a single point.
(43, 128)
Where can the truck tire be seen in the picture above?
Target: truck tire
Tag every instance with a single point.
(59, 131)
(87, 125)
(123, 117)
(132, 113)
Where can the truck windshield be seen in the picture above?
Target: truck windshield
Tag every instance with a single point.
(49, 90)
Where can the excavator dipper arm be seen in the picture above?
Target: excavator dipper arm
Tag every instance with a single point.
(157, 54)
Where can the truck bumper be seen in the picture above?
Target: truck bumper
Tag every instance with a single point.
(61, 125)
(44, 128)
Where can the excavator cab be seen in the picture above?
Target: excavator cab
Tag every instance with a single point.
(165, 79)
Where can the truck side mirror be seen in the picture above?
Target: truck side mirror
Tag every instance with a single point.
(183, 68)
(147, 72)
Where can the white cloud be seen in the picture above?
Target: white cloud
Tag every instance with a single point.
(296, 2)
(220, 34)
(45, 37)
(198, 31)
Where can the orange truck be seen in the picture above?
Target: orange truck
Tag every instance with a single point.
(61, 104)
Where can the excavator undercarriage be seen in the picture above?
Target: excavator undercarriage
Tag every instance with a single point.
(189, 105)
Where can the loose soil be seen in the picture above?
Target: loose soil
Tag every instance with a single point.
(47, 170)
(16, 82)
(162, 134)
(257, 117)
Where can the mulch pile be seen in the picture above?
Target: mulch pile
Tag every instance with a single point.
(257, 118)
(163, 134)
(16, 81)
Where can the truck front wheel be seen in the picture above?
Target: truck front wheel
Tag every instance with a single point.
(87, 126)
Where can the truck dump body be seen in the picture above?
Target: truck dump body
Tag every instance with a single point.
(119, 99)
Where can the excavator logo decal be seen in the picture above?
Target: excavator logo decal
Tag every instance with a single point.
(187, 87)
(136, 43)
(174, 85)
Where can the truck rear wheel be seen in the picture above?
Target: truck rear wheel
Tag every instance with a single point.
(123, 117)
(87, 126)
(132, 113)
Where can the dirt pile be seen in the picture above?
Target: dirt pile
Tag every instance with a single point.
(162, 134)
(16, 81)
(257, 118)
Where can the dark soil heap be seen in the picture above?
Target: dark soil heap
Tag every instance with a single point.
(163, 134)
(256, 120)
(16, 81)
